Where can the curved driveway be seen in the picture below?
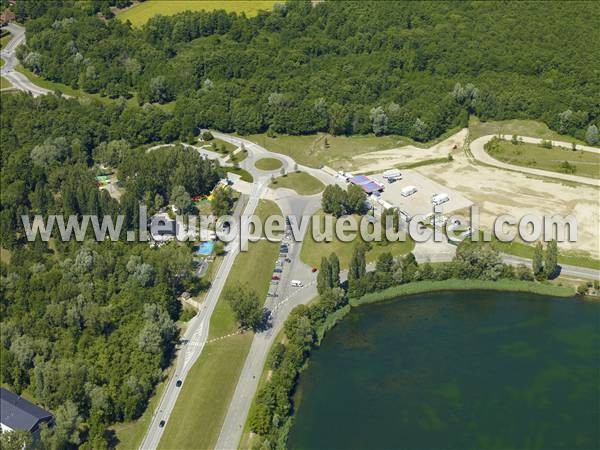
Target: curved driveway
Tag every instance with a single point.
(479, 153)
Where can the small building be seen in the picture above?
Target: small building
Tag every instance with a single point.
(16, 413)
(367, 184)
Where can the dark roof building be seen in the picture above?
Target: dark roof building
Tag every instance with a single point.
(16, 413)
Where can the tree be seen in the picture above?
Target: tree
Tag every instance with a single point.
(385, 263)
(591, 135)
(551, 259)
(222, 201)
(245, 305)
(333, 200)
(324, 276)
(355, 199)
(379, 120)
(357, 267)
(537, 263)
(181, 199)
(334, 269)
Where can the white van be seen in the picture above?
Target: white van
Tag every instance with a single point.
(438, 199)
(296, 283)
(408, 190)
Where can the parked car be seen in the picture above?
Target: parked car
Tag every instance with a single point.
(288, 260)
(277, 270)
(314, 269)
(275, 278)
(178, 383)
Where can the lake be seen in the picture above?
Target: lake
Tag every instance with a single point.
(455, 370)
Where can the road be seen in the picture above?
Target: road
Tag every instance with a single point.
(196, 334)
(8, 54)
(479, 153)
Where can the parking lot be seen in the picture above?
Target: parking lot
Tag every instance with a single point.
(420, 201)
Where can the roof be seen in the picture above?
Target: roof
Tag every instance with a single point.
(20, 414)
(371, 186)
(359, 179)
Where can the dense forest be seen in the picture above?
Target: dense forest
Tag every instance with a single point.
(88, 327)
(408, 68)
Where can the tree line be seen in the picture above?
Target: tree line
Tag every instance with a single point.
(415, 69)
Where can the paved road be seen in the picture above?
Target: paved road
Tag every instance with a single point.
(570, 271)
(197, 333)
(479, 153)
(8, 54)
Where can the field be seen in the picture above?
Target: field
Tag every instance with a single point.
(301, 182)
(201, 408)
(312, 251)
(141, 12)
(578, 162)
(268, 164)
(4, 83)
(520, 127)
(339, 152)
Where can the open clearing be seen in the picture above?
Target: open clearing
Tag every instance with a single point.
(301, 182)
(201, 408)
(4, 83)
(141, 12)
(496, 192)
(268, 164)
(553, 159)
(312, 251)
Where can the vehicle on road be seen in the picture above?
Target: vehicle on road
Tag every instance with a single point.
(178, 383)
(275, 278)
(161, 424)
(277, 270)
(313, 270)
(296, 283)
(288, 260)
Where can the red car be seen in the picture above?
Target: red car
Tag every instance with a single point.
(275, 277)
(314, 269)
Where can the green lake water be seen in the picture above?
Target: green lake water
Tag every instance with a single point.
(455, 370)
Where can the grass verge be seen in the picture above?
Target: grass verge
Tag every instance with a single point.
(244, 174)
(4, 83)
(301, 182)
(419, 287)
(201, 408)
(555, 159)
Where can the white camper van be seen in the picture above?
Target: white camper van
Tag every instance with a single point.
(438, 199)
(296, 283)
(408, 190)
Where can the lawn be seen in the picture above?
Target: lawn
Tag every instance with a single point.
(313, 251)
(4, 83)
(316, 150)
(301, 182)
(553, 159)
(141, 12)
(520, 127)
(244, 174)
(268, 164)
(4, 40)
(201, 408)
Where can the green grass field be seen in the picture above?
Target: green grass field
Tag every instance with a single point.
(583, 163)
(301, 182)
(4, 83)
(201, 408)
(268, 164)
(4, 40)
(141, 12)
(316, 150)
(520, 127)
(313, 251)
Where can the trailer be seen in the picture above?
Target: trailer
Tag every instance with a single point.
(408, 191)
(392, 175)
(438, 199)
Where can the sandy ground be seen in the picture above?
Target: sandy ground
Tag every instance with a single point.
(384, 159)
(498, 191)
